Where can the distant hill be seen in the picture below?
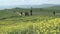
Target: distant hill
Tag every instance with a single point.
(36, 6)
(13, 12)
(56, 7)
(43, 6)
(27, 6)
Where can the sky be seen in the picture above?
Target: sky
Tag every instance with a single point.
(27, 2)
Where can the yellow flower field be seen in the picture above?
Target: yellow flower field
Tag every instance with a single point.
(30, 25)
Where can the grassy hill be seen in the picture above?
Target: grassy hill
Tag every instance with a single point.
(36, 11)
(12, 12)
(54, 8)
(41, 22)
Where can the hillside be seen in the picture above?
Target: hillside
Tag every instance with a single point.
(36, 11)
(57, 7)
(30, 25)
(41, 22)
(6, 13)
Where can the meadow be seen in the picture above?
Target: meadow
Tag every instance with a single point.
(40, 23)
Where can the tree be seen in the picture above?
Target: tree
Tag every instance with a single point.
(31, 11)
(41, 9)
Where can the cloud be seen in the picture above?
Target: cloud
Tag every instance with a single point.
(11, 2)
(28, 2)
(35, 1)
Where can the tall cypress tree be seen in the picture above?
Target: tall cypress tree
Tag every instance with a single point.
(54, 12)
(31, 11)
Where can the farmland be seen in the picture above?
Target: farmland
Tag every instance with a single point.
(39, 23)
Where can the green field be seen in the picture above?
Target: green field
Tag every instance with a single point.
(41, 22)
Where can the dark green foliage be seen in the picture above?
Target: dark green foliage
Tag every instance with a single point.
(31, 12)
(26, 14)
(54, 13)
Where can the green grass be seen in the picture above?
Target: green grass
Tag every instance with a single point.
(30, 25)
(41, 22)
(36, 11)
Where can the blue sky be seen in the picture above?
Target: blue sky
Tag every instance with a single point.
(27, 2)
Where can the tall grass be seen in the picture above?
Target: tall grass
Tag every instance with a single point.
(30, 25)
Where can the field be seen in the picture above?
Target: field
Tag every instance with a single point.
(40, 23)
(30, 25)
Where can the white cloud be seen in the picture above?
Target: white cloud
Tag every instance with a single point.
(35, 1)
(30, 2)
(11, 2)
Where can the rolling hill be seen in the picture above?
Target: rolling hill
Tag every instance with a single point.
(12, 12)
(57, 7)
(27, 6)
